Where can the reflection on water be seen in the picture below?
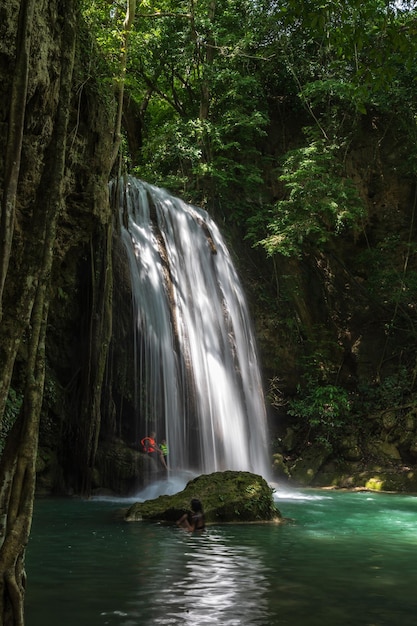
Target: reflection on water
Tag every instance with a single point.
(347, 559)
(205, 580)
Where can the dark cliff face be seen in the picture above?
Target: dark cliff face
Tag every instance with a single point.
(81, 252)
(89, 141)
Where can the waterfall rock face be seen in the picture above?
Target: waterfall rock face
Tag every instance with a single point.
(198, 380)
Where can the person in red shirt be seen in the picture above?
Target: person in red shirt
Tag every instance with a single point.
(150, 446)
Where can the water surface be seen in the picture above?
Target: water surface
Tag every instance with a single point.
(346, 559)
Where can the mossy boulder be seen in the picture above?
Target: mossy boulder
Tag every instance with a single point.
(226, 497)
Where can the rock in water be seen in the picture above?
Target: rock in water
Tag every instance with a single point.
(226, 497)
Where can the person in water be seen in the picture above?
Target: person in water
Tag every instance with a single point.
(194, 519)
(151, 448)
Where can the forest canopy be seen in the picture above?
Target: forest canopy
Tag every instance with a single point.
(202, 80)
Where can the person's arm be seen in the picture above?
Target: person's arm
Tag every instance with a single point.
(184, 523)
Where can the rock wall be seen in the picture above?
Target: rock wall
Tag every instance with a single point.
(82, 250)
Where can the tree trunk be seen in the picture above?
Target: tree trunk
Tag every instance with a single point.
(14, 139)
(206, 57)
(127, 25)
(17, 467)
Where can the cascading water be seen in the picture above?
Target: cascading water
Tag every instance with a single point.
(197, 368)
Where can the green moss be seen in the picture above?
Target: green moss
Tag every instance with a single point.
(226, 497)
(375, 484)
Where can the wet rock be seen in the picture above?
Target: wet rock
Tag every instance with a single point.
(123, 469)
(385, 450)
(279, 466)
(350, 449)
(307, 466)
(397, 481)
(226, 497)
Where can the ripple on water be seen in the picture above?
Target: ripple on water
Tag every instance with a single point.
(212, 583)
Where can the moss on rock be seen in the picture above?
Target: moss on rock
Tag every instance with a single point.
(401, 480)
(226, 497)
(306, 467)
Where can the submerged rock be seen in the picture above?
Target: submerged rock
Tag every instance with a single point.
(226, 497)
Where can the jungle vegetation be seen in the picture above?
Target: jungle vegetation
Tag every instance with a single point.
(203, 82)
(197, 86)
(199, 83)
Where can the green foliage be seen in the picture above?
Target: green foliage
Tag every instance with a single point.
(320, 203)
(344, 59)
(325, 408)
(187, 155)
(351, 50)
(390, 392)
(105, 23)
(13, 406)
(193, 73)
(322, 406)
(340, 92)
(204, 78)
(388, 279)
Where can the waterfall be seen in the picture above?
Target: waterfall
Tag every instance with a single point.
(198, 377)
